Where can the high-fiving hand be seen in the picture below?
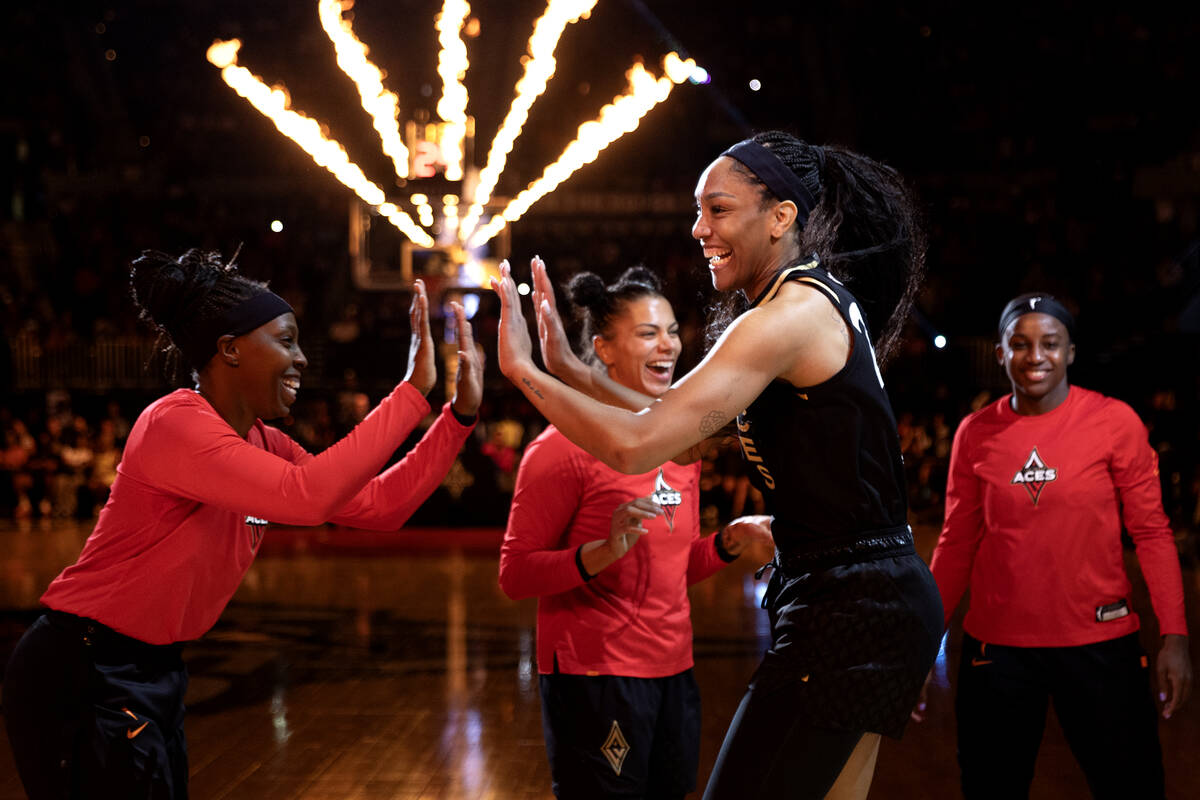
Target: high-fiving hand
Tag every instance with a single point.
(422, 369)
(514, 348)
(468, 383)
(560, 360)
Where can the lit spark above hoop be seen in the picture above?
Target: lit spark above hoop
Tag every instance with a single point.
(306, 132)
(382, 105)
(539, 68)
(452, 66)
(621, 116)
(616, 119)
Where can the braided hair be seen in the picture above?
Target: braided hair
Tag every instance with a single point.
(175, 294)
(865, 228)
(597, 305)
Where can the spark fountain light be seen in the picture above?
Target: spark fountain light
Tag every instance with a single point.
(306, 132)
(621, 116)
(444, 144)
(539, 68)
(382, 105)
(452, 66)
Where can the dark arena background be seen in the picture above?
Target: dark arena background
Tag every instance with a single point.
(1053, 146)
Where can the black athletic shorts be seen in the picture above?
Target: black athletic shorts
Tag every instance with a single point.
(853, 641)
(611, 736)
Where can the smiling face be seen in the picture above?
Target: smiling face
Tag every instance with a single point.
(641, 345)
(1035, 353)
(743, 238)
(269, 364)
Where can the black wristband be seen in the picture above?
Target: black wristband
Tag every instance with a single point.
(463, 420)
(583, 573)
(722, 553)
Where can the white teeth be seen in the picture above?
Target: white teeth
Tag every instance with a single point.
(292, 384)
(719, 258)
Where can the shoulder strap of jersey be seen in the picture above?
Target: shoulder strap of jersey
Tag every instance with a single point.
(809, 272)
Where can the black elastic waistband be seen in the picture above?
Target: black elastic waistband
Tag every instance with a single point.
(96, 634)
(805, 556)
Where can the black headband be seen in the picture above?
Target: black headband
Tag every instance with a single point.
(1039, 303)
(778, 177)
(200, 344)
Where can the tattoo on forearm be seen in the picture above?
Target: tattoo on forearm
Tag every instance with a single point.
(712, 423)
(532, 388)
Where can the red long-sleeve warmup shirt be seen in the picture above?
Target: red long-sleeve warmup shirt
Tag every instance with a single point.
(191, 500)
(1034, 509)
(632, 619)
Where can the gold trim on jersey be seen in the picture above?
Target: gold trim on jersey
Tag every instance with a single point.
(781, 277)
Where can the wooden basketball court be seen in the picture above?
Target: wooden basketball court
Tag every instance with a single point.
(362, 665)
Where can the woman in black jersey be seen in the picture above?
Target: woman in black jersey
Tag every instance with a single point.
(816, 246)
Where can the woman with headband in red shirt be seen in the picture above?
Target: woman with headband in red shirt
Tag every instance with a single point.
(93, 692)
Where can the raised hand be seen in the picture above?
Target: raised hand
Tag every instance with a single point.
(468, 384)
(514, 348)
(422, 369)
(560, 360)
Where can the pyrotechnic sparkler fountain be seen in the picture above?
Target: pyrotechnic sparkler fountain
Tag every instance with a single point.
(442, 146)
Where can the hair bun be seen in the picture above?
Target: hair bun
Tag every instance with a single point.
(639, 276)
(586, 290)
(164, 287)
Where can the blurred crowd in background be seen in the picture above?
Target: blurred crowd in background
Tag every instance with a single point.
(1073, 169)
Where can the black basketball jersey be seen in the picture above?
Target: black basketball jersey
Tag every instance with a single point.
(826, 457)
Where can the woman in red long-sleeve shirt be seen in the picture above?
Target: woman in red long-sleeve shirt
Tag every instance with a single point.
(1041, 483)
(609, 557)
(93, 693)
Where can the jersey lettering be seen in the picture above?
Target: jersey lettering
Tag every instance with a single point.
(749, 450)
(750, 453)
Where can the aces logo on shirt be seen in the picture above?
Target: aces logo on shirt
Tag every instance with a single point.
(666, 497)
(1035, 475)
